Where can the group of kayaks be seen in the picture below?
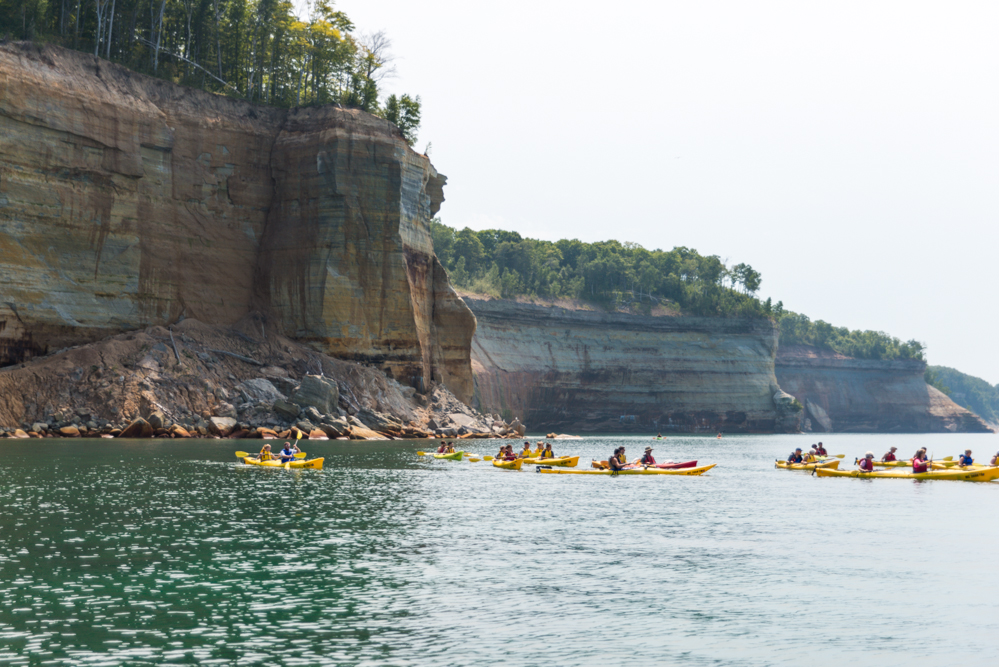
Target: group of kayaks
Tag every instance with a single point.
(561, 465)
(946, 469)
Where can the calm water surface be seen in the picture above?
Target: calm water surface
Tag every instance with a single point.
(170, 552)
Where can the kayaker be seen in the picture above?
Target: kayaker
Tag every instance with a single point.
(616, 462)
(890, 456)
(821, 451)
(719, 436)
(965, 459)
(810, 457)
(265, 453)
(539, 452)
(659, 437)
(995, 460)
(548, 453)
(287, 454)
(509, 454)
(867, 463)
(442, 449)
(795, 456)
(526, 453)
(647, 459)
(919, 461)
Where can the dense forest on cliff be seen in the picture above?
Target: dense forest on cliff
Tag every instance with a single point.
(797, 329)
(611, 274)
(608, 273)
(967, 391)
(257, 50)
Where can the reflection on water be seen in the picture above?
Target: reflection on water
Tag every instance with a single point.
(167, 552)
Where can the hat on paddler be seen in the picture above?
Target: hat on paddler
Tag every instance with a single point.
(648, 449)
(798, 449)
(869, 455)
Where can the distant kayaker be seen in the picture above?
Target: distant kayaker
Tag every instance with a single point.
(995, 460)
(548, 453)
(919, 461)
(647, 459)
(287, 454)
(965, 459)
(821, 451)
(719, 436)
(265, 453)
(890, 456)
(867, 463)
(659, 437)
(795, 456)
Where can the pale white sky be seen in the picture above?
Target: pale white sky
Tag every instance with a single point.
(847, 150)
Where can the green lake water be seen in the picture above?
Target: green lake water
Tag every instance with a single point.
(171, 552)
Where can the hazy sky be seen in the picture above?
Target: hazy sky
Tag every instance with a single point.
(847, 150)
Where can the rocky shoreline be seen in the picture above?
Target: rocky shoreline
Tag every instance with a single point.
(197, 381)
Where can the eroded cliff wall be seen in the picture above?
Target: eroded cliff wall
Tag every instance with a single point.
(582, 370)
(126, 202)
(842, 394)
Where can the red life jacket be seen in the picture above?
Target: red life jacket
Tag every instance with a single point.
(648, 460)
(888, 457)
(866, 464)
(918, 465)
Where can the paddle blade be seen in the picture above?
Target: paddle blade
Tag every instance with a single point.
(487, 458)
(300, 455)
(948, 458)
(421, 453)
(839, 456)
(242, 455)
(298, 435)
(287, 465)
(473, 460)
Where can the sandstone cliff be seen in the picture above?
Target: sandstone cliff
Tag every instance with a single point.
(845, 395)
(128, 202)
(590, 371)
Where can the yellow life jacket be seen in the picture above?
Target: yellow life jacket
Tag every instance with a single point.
(547, 454)
(265, 455)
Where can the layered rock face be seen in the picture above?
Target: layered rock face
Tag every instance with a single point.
(845, 395)
(589, 371)
(126, 202)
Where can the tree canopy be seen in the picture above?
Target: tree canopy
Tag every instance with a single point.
(257, 50)
(608, 273)
(796, 329)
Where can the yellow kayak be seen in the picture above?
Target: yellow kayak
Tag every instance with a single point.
(976, 475)
(636, 471)
(508, 465)
(565, 461)
(907, 463)
(315, 464)
(456, 456)
(832, 463)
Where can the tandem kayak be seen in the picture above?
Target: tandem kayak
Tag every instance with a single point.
(978, 475)
(508, 465)
(833, 463)
(908, 464)
(637, 471)
(315, 464)
(670, 465)
(450, 457)
(564, 461)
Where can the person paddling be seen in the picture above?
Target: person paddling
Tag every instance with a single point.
(795, 456)
(965, 459)
(616, 462)
(443, 448)
(548, 453)
(919, 461)
(509, 454)
(526, 453)
(867, 463)
(647, 459)
(450, 448)
(890, 456)
(659, 436)
(821, 451)
(995, 460)
(287, 454)
(811, 457)
(265, 453)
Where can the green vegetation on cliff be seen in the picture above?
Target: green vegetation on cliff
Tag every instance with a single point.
(608, 273)
(966, 390)
(611, 274)
(257, 50)
(796, 329)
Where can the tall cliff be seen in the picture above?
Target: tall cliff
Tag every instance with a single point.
(591, 371)
(126, 202)
(845, 395)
